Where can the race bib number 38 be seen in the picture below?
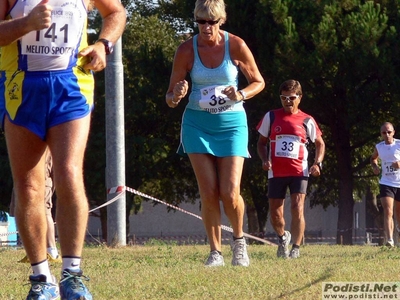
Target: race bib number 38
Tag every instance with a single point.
(60, 38)
(214, 101)
(287, 146)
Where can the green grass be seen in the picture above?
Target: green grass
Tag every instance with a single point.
(169, 271)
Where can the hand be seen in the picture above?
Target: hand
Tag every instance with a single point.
(315, 170)
(96, 55)
(180, 91)
(396, 165)
(376, 169)
(232, 93)
(266, 165)
(40, 16)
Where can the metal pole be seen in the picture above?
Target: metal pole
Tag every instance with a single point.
(115, 146)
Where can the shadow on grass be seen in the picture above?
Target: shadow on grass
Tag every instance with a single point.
(299, 289)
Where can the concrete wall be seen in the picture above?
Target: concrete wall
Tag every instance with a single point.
(159, 223)
(156, 222)
(321, 225)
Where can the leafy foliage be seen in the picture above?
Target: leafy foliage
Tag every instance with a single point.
(345, 53)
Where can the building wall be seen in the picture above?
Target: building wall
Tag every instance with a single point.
(321, 225)
(156, 222)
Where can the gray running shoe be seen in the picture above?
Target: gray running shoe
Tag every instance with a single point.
(294, 253)
(215, 260)
(283, 247)
(239, 253)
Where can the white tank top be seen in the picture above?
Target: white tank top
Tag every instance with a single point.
(389, 154)
(56, 47)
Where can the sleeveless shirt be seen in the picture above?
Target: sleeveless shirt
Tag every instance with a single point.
(207, 83)
(53, 48)
(389, 154)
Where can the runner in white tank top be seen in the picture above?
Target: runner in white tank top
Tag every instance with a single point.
(388, 152)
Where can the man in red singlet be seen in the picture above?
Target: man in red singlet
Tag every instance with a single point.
(282, 147)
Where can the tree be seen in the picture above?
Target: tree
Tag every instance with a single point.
(151, 127)
(346, 55)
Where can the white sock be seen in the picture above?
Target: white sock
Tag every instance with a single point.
(53, 251)
(43, 268)
(72, 263)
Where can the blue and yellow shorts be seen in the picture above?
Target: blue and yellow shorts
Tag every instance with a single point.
(41, 100)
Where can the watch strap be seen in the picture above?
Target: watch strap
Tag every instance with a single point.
(107, 45)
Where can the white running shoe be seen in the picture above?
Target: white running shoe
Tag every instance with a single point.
(239, 253)
(294, 253)
(215, 259)
(390, 243)
(283, 247)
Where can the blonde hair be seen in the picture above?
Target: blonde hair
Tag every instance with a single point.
(210, 9)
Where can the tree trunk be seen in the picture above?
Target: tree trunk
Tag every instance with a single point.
(375, 215)
(257, 211)
(345, 216)
(342, 141)
(252, 220)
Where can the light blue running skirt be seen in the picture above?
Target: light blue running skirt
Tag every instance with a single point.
(221, 135)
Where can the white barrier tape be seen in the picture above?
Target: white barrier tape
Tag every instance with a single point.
(109, 201)
(121, 189)
(224, 227)
(8, 233)
(96, 208)
(117, 189)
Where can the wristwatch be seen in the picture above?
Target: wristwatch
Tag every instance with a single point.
(107, 45)
(319, 164)
(243, 93)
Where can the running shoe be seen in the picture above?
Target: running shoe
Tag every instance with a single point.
(294, 253)
(50, 258)
(215, 260)
(72, 287)
(239, 253)
(53, 259)
(283, 247)
(24, 260)
(42, 290)
(390, 244)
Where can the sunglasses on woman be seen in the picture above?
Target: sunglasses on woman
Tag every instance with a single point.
(210, 22)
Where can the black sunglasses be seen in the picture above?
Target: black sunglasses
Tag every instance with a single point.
(387, 132)
(211, 22)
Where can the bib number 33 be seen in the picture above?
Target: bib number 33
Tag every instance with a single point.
(287, 146)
